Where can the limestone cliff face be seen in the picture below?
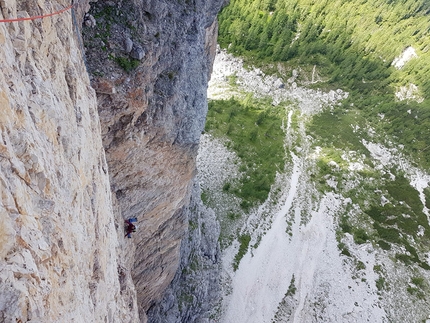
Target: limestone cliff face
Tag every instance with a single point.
(59, 246)
(67, 142)
(152, 118)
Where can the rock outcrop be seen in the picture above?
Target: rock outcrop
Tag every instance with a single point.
(152, 113)
(67, 141)
(59, 246)
(195, 290)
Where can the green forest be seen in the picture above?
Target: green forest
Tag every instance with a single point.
(353, 45)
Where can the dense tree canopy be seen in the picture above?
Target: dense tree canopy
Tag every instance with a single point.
(355, 41)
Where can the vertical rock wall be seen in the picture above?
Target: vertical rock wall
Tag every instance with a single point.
(58, 243)
(152, 117)
(195, 290)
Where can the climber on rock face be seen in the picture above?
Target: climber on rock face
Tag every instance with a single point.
(130, 227)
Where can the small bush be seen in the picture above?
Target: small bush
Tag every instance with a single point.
(128, 64)
(404, 258)
(418, 281)
(361, 265)
(380, 283)
(205, 197)
(233, 216)
(346, 252)
(292, 288)
(226, 187)
(384, 245)
(346, 228)
(360, 236)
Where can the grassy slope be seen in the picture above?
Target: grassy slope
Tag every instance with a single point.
(254, 129)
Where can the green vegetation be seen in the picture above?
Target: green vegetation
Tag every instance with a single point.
(192, 225)
(380, 283)
(229, 224)
(185, 300)
(427, 196)
(284, 310)
(351, 50)
(394, 223)
(360, 236)
(232, 80)
(233, 216)
(344, 249)
(105, 17)
(334, 35)
(205, 197)
(351, 45)
(226, 187)
(244, 240)
(254, 128)
(128, 64)
(360, 265)
(409, 124)
(292, 288)
(102, 39)
(417, 287)
(333, 128)
(401, 223)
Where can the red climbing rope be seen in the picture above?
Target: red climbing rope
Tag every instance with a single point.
(38, 17)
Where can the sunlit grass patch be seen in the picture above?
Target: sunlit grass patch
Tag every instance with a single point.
(338, 128)
(254, 130)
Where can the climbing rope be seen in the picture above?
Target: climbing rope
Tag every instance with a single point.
(38, 17)
(53, 14)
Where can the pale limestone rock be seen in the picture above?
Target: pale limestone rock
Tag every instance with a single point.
(60, 251)
(408, 92)
(408, 54)
(128, 45)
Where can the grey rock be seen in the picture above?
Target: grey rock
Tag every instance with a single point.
(90, 21)
(128, 45)
(137, 52)
(278, 84)
(157, 132)
(197, 279)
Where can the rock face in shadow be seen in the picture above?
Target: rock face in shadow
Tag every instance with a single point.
(194, 292)
(152, 112)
